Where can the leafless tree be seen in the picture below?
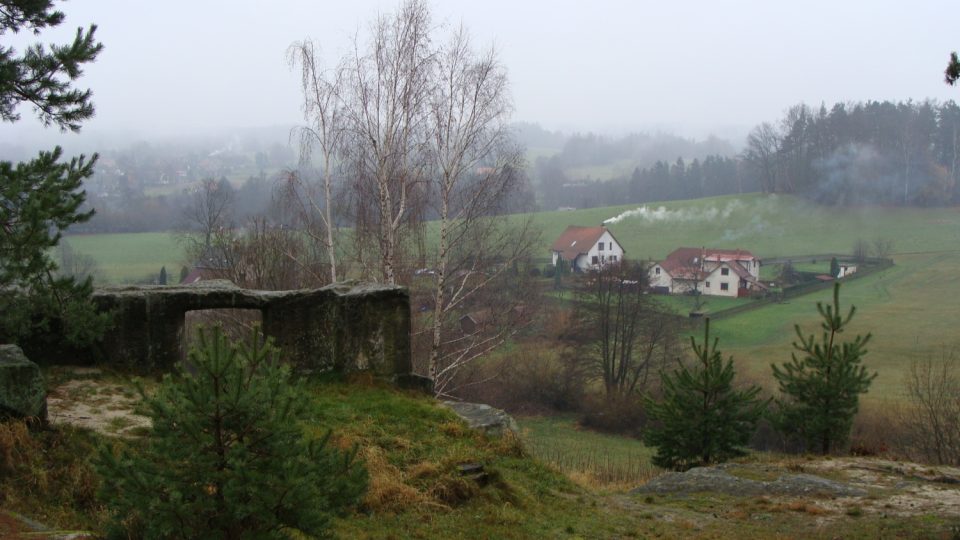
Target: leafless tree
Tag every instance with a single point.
(386, 88)
(77, 265)
(483, 280)
(763, 147)
(473, 169)
(208, 211)
(266, 256)
(932, 415)
(882, 247)
(323, 109)
(626, 336)
(861, 250)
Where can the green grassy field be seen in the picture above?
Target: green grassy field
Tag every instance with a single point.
(769, 226)
(911, 309)
(126, 258)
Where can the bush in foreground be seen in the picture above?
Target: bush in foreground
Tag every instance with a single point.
(227, 457)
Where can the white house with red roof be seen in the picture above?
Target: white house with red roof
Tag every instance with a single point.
(716, 272)
(587, 247)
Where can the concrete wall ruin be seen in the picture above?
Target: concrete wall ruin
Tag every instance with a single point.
(343, 327)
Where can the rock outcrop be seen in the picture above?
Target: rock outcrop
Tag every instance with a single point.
(22, 391)
(482, 417)
(717, 480)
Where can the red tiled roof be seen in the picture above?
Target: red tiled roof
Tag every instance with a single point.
(578, 240)
(739, 270)
(686, 263)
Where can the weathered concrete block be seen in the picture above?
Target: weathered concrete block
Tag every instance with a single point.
(22, 391)
(346, 327)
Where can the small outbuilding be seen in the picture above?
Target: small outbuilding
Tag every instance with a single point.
(846, 269)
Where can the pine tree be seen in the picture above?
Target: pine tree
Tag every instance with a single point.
(227, 456)
(163, 276)
(561, 267)
(821, 388)
(834, 268)
(702, 419)
(42, 197)
(952, 73)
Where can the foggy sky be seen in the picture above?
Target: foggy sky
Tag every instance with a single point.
(176, 67)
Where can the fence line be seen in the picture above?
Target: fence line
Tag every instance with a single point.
(801, 290)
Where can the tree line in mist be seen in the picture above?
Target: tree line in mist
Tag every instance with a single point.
(903, 153)
(890, 153)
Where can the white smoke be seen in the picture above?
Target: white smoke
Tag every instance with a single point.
(662, 214)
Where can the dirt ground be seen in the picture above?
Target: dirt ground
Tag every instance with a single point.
(89, 398)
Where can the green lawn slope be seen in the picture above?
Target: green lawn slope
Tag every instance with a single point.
(767, 225)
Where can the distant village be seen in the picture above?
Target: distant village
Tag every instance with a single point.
(686, 270)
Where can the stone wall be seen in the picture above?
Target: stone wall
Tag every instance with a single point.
(344, 327)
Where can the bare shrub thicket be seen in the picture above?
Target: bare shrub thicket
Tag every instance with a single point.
(234, 323)
(532, 380)
(931, 415)
(876, 431)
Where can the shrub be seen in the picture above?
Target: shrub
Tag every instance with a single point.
(821, 388)
(703, 418)
(625, 415)
(534, 381)
(227, 457)
(931, 418)
(48, 474)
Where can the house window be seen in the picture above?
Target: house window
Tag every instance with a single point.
(657, 271)
(595, 260)
(600, 246)
(724, 271)
(613, 258)
(724, 286)
(708, 284)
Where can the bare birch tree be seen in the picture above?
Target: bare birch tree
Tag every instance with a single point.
(473, 170)
(323, 110)
(386, 88)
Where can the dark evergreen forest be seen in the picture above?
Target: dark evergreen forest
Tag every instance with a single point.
(885, 153)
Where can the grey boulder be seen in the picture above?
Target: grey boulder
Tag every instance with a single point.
(22, 391)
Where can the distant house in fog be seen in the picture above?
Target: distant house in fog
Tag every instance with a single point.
(846, 269)
(587, 247)
(716, 272)
(212, 264)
